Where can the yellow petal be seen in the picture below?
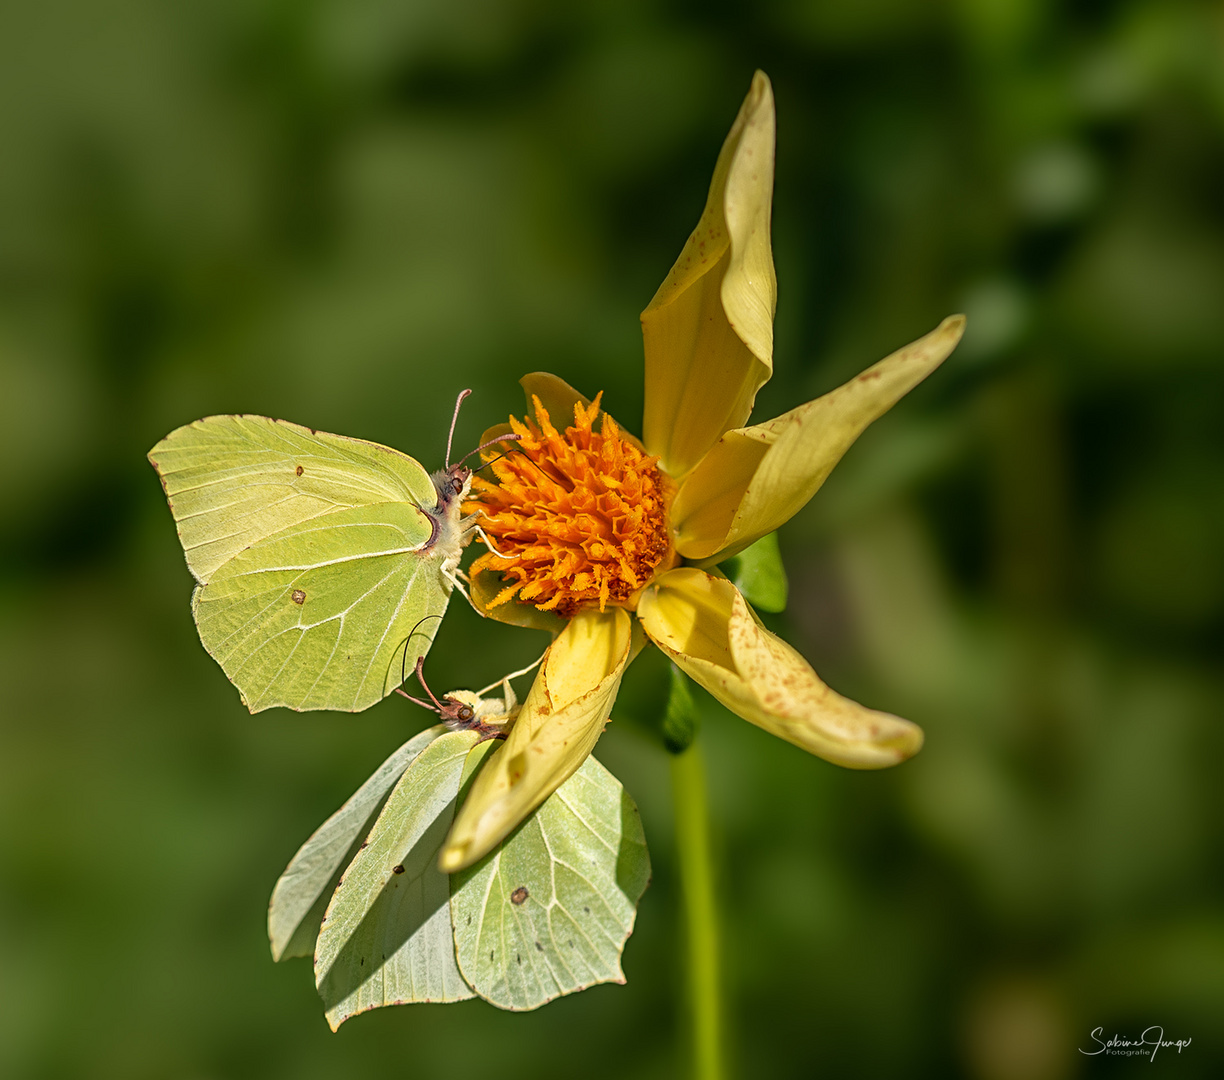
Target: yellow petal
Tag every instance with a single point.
(497, 431)
(486, 585)
(557, 728)
(555, 394)
(756, 478)
(709, 329)
(559, 398)
(707, 628)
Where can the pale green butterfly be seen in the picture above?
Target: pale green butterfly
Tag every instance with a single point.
(324, 564)
(547, 913)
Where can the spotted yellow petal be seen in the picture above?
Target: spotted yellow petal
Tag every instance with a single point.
(559, 724)
(709, 329)
(756, 478)
(707, 628)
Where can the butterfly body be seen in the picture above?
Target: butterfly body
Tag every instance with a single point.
(451, 530)
(317, 557)
(465, 710)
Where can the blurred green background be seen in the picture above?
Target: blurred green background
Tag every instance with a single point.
(342, 212)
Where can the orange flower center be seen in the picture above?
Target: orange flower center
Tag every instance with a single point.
(576, 519)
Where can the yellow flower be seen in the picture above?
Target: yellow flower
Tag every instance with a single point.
(587, 529)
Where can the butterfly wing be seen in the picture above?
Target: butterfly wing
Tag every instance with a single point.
(315, 558)
(234, 480)
(319, 615)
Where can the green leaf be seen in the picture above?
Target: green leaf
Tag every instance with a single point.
(548, 912)
(386, 938)
(679, 727)
(304, 889)
(758, 573)
(320, 559)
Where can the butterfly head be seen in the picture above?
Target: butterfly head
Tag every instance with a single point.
(462, 710)
(452, 485)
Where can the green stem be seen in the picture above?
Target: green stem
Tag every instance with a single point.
(697, 885)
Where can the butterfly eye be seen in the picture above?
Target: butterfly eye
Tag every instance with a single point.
(457, 484)
(465, 713)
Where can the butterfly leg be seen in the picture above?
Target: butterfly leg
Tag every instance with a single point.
(489, 543)
(455, 578)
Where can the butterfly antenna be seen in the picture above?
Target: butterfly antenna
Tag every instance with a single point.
(414, 700)
(437, 705)
(493, 461)
(482, 446)
(517, 449)
(454, 420)
(420, 674)
(404, 661)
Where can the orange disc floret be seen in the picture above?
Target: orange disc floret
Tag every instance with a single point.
(577, 518)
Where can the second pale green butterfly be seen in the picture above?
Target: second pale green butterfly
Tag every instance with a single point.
(317, 556)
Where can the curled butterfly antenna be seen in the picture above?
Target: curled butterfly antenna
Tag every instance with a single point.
(463, 395)
(455, 714)
(437, 706)
(404, 661)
